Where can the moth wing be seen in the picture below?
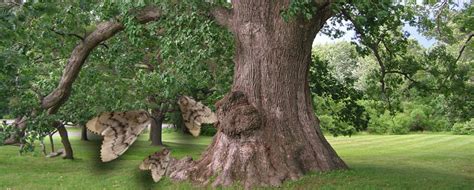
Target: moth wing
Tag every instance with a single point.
(157, 172)
(94, 126)
(205, 115)
(145, 165)
(194, 114)
(158, 164)
(122, 130)
(194, 128)
(117, 141)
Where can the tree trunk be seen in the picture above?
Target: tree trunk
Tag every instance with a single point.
(84, 133)
(14, 138)
(267, 130)
(68, 154)
(51, 142)
(156, 127)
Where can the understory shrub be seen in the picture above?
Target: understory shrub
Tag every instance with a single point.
(379, 124)
(414, 116)
(208, 130)
(335, 126)
(464, 128)
(386, 123)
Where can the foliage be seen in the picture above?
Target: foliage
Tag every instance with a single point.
(208, 130)
(335, 101)
(184, 53)
(464, 128)
(304, 8)
(343, 61)
(6, 131)
(334, 126)
(415, 116)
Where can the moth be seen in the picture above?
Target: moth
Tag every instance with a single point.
(119, 129)
(157, 163)
(194, 114)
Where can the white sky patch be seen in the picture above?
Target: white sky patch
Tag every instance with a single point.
(414, 34)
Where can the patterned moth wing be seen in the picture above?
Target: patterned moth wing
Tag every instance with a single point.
(119, 129)
(158, 163)
(94, 127)
(194, 114)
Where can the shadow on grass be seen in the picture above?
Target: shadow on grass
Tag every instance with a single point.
(143, 179)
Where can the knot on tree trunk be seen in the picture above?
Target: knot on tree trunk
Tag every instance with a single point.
(237, 117)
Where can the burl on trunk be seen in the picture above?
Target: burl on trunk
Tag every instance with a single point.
(267, 129)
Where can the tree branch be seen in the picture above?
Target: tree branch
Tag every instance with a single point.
(463, 47)
(438, 16)
(66, 34)
(374, 47)
(104, 31)
(406, 75)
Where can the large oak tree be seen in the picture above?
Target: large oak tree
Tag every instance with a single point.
(267, 129)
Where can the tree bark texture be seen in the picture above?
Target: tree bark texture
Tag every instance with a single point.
(156, 127)
(68, 153)
(267, 129)
(84, 133)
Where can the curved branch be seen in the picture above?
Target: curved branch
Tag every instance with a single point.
(463, 47)
(104, 31)
(438, 16)
(413, 81)
(66, 34)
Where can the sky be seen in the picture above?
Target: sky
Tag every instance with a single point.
(414, 34)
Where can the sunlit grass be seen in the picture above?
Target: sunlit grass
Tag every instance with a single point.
(417, 161)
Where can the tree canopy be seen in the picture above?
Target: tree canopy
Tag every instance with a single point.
(69, 61)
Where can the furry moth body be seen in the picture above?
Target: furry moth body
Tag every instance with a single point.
(119, 129)
(157, 163)
(194, 114)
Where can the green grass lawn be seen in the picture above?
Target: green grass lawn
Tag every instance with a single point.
(417, 161)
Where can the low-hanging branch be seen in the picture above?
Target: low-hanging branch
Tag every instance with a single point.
(104, 31)
(373, 46)
(74, 35)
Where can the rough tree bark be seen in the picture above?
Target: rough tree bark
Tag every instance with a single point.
(68, 153)
(267, 130)
(156, 127)
(84, 133)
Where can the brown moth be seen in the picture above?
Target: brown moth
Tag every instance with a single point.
(119, 129)
(194, 114)
(158, 163)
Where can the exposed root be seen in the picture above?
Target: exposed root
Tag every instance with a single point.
(246, 151)
(60, 152)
